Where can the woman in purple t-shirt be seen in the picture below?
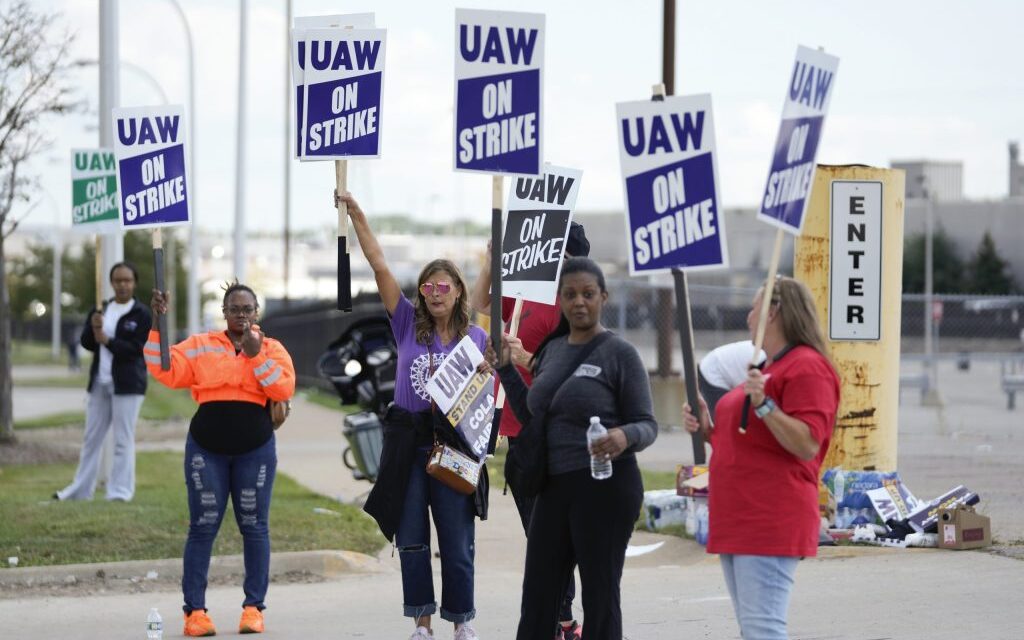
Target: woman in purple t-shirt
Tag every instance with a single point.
(426, 330)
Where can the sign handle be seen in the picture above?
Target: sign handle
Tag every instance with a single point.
(766, 303)
(497, 197)
(344, 260)
(99, 273)
(161, 319)
(513, 330)
(684, 319)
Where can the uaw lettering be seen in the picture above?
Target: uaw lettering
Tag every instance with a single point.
(344, 76)
(298, 44)
(673, 210)
(464, 395)
(793, 160)
(150, 150)
(498, 91)
(93, 187)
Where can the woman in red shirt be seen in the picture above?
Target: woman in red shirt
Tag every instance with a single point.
(763, 493)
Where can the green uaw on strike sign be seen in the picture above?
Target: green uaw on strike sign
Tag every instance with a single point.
(94, 201)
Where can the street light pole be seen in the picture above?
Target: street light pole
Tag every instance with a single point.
(239, 252)
(287, 150)
(113, 243)
(931, 396)
(193, 240)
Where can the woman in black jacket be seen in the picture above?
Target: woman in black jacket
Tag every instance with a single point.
(117, 385)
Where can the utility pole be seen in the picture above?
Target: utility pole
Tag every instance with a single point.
(931, 396)
(239, 253)
(287, 151)
(665, 318)
(113, 242)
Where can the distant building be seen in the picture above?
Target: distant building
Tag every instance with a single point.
(1016, 172)
(945, 180)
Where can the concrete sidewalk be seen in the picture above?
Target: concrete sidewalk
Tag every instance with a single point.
(674, 592)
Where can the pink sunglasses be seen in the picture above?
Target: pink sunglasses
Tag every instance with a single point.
(442, 287)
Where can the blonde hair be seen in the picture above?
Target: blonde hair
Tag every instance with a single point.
(459, 320)
(797, 314)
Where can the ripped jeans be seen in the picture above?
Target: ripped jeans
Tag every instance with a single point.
(454, 518)
(210, 478)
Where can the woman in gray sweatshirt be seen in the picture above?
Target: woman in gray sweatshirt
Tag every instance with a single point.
(576, 516)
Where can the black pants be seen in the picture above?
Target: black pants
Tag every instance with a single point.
(591, 521)
(524, 504)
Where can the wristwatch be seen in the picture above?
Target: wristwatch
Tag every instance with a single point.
(765, 408)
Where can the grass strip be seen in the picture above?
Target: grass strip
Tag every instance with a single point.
(41, 531)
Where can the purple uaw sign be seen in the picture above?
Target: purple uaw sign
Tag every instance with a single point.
(787, 191)
(152, 168)
(499, 91)
(673, 210)
(344, 77)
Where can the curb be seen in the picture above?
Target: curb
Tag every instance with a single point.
(324, 564)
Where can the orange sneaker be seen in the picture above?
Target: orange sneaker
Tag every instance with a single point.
(252, 620)
(198, 624)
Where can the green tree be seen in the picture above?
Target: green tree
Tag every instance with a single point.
(34, 87)
(948, 267)
(31, 276)
(988, 272)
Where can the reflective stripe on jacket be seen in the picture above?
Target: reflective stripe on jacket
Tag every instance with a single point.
(207, 363)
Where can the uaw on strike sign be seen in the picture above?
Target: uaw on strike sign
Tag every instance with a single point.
(803, 116)
(298, 53)
(94, 201)
(673, 210)
(343, 78)
(465, 395)
(536, 229)
(152, 167)
(498, 91)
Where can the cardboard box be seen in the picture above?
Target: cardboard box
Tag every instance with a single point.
(961, 528)
(692, 481)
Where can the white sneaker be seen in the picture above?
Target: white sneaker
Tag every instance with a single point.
(465, 632)
(421, 633)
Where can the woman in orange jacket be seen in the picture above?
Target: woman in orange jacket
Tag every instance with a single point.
(230, 451)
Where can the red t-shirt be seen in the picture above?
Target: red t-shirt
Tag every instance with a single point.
(763, 500)
(536, 321)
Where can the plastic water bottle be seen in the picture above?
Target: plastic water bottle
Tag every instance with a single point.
(600, 468)
(702, 525)
(154, 625)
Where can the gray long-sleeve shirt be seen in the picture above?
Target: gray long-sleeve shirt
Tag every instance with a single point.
(611, 384)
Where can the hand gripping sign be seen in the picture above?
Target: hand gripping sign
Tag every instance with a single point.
(536, 228)
(673, 210)
(465, 396)
(788, 189)
(499, 91)
(153, 181)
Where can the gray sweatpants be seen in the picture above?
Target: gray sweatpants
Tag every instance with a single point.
(104, 411)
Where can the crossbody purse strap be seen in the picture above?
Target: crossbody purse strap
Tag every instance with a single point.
(584, 353)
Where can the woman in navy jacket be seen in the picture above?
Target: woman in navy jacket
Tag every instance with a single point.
(117, 385)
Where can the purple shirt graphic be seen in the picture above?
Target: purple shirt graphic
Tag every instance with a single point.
(413, 367)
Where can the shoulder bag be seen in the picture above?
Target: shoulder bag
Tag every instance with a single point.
(526, 467)
(447, 464)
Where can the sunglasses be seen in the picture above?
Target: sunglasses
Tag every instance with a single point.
(442, 288)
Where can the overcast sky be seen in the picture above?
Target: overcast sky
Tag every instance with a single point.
(939, 80)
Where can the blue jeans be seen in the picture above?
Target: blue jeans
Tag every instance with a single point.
(454, 515)
(760, 588)
(210, 478)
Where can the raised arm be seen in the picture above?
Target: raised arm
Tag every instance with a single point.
(480, 296)
(390, 292)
